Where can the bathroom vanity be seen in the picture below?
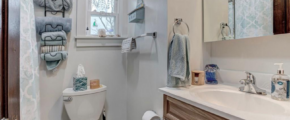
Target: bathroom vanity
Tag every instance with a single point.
(221, 102)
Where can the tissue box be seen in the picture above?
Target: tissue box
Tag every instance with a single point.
(80, 83)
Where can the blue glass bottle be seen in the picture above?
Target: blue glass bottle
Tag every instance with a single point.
(210, 73)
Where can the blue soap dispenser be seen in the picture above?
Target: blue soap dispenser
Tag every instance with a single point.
(210, 73)
(280, 85)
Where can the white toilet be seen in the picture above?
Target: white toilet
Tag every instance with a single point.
(84, 105)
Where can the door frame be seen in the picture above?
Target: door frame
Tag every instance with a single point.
(10, 60)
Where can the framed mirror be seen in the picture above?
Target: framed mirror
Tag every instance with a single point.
(238, 19)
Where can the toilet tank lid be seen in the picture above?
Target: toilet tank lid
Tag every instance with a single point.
(70, 92)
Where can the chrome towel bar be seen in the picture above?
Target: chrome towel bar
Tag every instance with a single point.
(154, 35)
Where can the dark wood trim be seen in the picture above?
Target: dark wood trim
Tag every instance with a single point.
(165, 109)
(1, 74)
(287, 5)
(14, 59)
(9, 60)
(279, 16)
(3, 64)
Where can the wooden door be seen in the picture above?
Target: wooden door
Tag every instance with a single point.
(9, 60)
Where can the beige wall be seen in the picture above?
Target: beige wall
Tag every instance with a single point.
(191, 13)
(256, 55)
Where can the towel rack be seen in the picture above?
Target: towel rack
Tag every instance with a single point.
(154, 35)
(51, 39)
(178, 21)
(54, 12)
(55, 28)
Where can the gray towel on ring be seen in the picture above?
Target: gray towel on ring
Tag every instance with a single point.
(179, 74)
(55, 5)
(52, 24)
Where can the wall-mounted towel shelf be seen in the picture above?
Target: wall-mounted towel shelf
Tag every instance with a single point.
(137, 15)
(54, 12)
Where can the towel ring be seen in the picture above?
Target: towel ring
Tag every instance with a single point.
(178, 21)
(223, 26)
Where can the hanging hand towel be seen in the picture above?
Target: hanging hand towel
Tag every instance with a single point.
(53, 38)
(52, 24)
(47, 49)
(128, 45)
(179, 74)
(55, 5)
(54, 59)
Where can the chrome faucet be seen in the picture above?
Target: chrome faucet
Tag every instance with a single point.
(250, 85)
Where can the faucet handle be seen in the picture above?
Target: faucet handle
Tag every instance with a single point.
(244, 82)
(251, 77)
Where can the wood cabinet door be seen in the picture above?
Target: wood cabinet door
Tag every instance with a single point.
(178, 110)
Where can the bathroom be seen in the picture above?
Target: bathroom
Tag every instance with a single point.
(137, 80)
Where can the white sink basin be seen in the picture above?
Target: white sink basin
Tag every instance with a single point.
(239, 101)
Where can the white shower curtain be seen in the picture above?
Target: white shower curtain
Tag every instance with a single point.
(29, 72)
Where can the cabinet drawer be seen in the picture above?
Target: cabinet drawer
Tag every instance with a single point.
(177, 110)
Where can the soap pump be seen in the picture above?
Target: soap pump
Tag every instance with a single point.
(87, 31)
(280, 85)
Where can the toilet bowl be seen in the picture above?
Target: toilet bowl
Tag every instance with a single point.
(84, 105)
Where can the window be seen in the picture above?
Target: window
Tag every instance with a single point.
(103, 14)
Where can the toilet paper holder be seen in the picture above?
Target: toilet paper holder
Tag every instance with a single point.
(150, 115)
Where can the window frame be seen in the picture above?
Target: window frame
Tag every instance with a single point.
(91, 13)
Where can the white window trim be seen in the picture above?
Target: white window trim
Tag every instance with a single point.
(89, 13)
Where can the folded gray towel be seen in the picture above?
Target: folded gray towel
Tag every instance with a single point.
(52, 24)
(54, 59)
(55, 5)
(179, 74)
(54, 56)
(53, 38)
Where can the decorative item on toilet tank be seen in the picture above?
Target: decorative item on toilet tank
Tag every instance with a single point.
(80, 81)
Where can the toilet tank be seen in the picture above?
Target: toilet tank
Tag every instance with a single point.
(85, 105)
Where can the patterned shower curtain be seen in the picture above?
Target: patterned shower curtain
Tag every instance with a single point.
(254, 18)
(29, 72)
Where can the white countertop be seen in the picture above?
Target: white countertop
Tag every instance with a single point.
(189, 96)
